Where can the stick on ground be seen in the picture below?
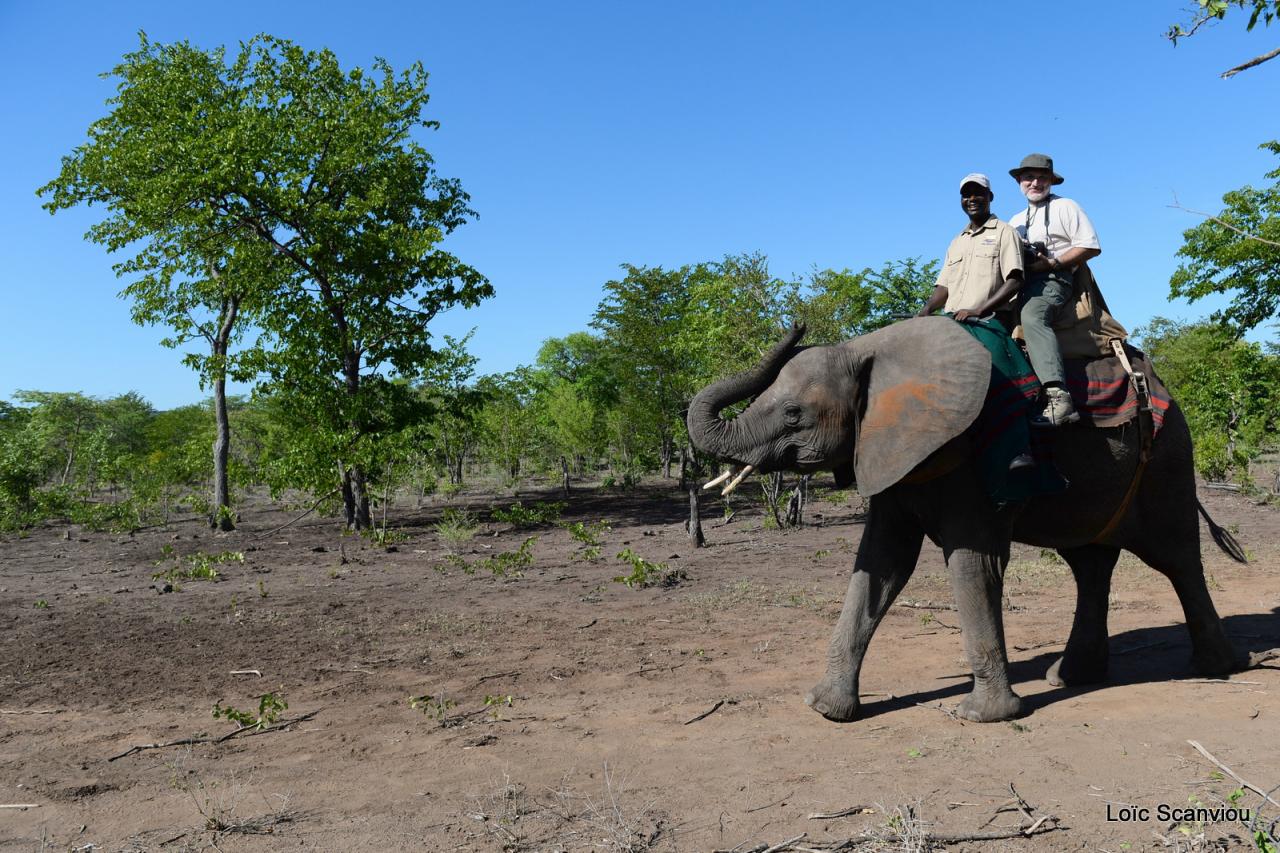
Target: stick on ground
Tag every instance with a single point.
(1225, 769)
(705, 714)
(247, 731)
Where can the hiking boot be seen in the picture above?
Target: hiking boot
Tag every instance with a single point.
(1021, 461)
(1058, 409)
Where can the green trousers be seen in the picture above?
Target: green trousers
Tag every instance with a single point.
(1039, 304)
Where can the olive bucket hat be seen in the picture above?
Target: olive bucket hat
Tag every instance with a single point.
(1037, 161)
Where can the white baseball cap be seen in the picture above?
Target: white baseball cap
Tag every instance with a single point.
(976, 178)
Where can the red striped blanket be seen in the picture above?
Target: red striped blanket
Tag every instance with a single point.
(1104, 395)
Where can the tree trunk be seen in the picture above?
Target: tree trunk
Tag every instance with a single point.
(355, 493)
(684, 468)
(797, 501)
(220, 519)
(564, 475)
(360, 499)
(348, 496)
(667, 453)
(694, 525)
(221, 516)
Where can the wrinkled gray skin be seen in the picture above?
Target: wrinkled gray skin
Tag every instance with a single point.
(885, 403)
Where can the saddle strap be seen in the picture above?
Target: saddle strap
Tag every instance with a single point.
(1146, 434)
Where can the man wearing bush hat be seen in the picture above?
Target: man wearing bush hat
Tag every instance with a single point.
(1061, 238)
(982, 271)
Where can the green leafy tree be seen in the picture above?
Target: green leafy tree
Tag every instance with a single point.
(508, 423)
(1228, 388)
(195, 271)
(576, 383)
(1237, 252)
(449, 389)
(1208, 11)
(640, 318)
(836, 306)
(26, 457)
(736, 311)
(318, 194)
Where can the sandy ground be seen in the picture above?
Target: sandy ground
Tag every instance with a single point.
(560, 705)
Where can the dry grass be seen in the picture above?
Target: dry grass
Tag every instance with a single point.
(565, 819)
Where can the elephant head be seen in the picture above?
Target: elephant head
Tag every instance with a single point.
(874, 407)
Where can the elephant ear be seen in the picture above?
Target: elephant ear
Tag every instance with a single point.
(923, 383)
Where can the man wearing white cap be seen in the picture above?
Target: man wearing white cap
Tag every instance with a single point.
(982, 272)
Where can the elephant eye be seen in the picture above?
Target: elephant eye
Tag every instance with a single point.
(791, 413)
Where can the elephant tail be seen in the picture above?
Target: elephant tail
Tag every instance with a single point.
(1222, 538)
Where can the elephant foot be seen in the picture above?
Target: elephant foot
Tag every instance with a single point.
(1072, 670)
(990, 707)
(835, 702)
(1217, 665)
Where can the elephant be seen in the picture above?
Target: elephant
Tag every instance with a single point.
(890, 410)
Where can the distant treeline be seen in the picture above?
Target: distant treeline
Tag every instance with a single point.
(605, 404)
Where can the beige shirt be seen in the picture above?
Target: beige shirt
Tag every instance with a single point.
(977, 264)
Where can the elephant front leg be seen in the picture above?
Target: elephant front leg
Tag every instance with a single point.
(886, 558)
(977, 579)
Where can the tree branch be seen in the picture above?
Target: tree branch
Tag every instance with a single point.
(1257, 60)
(1177, 206)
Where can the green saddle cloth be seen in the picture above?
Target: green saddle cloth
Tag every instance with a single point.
(1002, 430)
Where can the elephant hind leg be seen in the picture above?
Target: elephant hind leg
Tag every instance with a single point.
(1211, 652)
(1086, 657)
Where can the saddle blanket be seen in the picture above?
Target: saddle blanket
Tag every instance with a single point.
(1103, 394)
(1099, 387)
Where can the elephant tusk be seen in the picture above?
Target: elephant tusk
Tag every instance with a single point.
(733, 484)
(718, 480)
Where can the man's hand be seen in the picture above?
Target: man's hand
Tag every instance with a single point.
(964, 314)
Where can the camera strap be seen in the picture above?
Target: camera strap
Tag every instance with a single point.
(1031, 215)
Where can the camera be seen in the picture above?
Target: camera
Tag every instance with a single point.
(1031, 251)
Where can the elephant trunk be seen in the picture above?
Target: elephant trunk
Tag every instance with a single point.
(726, 439)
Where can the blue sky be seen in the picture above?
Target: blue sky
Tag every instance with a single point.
(595, 134)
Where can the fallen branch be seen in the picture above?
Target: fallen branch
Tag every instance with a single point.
(1215, 681)
(843, 813)
(939, 707)
(771, 805)
(785, 844)
(482, 679)
(705, 714)
(314, 507)
(923, 605)
(20, 806)
(247, 731)
(1037, 646)
(1037, 828)
(1225, 769)
(247, 672)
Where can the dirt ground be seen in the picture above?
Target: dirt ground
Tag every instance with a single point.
(563, 710)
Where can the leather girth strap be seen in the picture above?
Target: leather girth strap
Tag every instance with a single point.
(1146, 434)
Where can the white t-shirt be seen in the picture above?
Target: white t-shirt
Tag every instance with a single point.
(1068, 227)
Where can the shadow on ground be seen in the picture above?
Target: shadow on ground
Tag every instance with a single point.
(1141, 656)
